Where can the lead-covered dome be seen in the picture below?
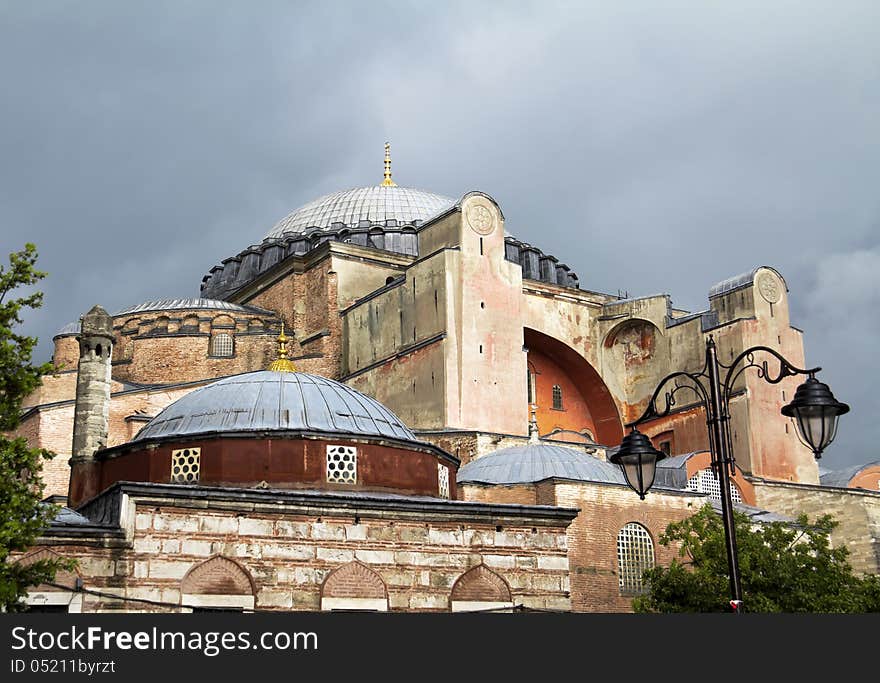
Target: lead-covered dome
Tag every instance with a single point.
(534, 462)
(267, 401)
(376, 204)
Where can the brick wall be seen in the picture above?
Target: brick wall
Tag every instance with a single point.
(307, 302)
(288, 557)
(592, 537)
(186, 358)
(519, 495)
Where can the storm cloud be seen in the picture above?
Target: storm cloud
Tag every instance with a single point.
(652, 146)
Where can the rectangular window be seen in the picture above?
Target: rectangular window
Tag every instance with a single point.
(557, 397)
(185, 465)
(342, 464)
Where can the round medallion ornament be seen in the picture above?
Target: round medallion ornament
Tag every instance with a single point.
(769, 288)
(480, 218)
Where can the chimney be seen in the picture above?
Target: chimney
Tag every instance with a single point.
(92, 412)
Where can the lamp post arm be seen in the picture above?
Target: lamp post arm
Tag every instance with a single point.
(697, 387)
(786, 369)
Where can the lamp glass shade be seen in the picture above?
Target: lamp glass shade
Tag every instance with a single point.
(637, 459)
(815, 412)
(639, 471)
(817, 426)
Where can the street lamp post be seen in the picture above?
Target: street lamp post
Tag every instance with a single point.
(813, 408)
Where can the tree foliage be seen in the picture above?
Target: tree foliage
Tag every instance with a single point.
(22, 516)
(783, 567)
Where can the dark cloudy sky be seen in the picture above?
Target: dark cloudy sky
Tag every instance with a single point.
(654, 146)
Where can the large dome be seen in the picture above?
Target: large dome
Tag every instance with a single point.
(276, 401)
(375, 204)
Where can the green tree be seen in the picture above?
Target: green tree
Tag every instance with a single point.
(784, 568)
(22, 516)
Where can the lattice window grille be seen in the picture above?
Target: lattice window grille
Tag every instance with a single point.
(342, 464)
(222, 345)
(635, 554)
(185, 465)
(443, 480)
(705, 482)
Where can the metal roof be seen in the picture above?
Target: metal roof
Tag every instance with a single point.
(754, 513)
(731, 284)
(375, 204)
(68, 330)
(535, 462)
(841, 478)
(188, 304)
(70, 517)
(275, 401)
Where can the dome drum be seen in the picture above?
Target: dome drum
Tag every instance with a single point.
(281, 461)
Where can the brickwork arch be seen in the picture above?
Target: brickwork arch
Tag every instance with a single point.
(354, 580)
(354, 586)
(217, 576)
(223, 322)
(63, 577)
(480, 584)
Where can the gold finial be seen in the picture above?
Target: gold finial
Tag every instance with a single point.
(388, 182)
(282, 363)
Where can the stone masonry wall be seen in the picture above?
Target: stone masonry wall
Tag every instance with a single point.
(857, 511)
(289, 556)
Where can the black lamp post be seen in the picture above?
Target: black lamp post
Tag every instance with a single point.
(814, 409)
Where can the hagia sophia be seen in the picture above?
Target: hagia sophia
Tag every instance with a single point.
(389, 403)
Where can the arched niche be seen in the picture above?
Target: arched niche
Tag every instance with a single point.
(53, 598)
(354, 586)
(587, 405)
(480, 589)
(218, 583)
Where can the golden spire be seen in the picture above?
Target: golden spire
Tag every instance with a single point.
(388, 182)
(282, 364)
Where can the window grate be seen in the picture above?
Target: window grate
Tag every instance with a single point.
(342, 464)
(222, 345)
(443, 480)
(635, 554)
(704, 481)
(185, 465)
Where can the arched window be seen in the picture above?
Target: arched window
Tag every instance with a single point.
(635, 554)
(704, 481)
(557, 397)
(222, 345)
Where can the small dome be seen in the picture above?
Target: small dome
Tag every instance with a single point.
(375, 204)
(276, 401)
(535, 462)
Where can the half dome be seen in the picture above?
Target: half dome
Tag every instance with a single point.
(267, 401)
(376, 204)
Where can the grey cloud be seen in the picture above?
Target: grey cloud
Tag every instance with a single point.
(653, 146)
